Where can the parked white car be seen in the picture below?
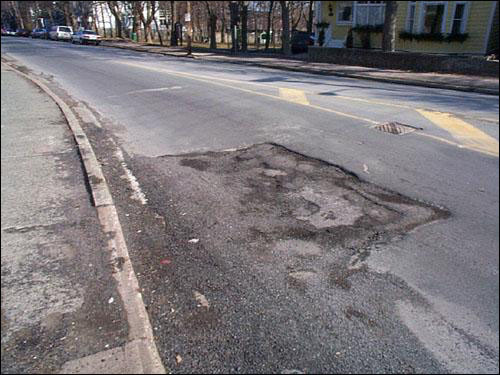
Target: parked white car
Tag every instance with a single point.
(60, 33)
(86, 36)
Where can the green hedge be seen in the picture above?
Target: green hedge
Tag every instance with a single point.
(433, 37)
(369, 28)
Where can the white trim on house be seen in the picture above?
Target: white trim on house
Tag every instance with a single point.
(423, 5)
(465, 18)
(368, 4)
(490, 26)
(337, 13)
(415, 18)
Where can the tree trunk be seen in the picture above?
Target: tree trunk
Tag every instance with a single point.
(67, 16)
(223, 28)
(158, 30)
(255, 30)
(136, 22)
(389, 36)
(213, 31)
(147, 24)
(244, 27)
(310, 18)
(17, 13)
(268, 29)
(173, 36)
(103, 20)
(115, 10)
(285, 20)
(94, 18)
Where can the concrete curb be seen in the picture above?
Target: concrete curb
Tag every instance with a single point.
(480, 90)
(140, 331)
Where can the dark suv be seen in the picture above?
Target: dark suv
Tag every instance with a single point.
(301, 40)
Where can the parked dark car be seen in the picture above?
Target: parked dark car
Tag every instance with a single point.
(301, 40)
(23, 32)
(40, 33)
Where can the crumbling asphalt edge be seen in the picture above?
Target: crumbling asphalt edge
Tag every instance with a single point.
(140, 331)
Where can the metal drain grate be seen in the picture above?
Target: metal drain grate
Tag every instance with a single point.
(396, 128)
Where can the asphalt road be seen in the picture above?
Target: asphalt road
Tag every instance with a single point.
(437, 285)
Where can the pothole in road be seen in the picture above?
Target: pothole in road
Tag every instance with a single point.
(281, 239)
(286, 209)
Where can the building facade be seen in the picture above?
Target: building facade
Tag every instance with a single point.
(449, 27)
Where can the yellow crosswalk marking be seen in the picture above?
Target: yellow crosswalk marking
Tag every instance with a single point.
(293, 95)
(469, 136)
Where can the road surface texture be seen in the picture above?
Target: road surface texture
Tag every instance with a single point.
(276, 228)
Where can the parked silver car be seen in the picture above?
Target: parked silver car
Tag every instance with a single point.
(85, 36)
(60, 33)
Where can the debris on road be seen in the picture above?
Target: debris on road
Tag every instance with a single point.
(201, 299)
(194, 240)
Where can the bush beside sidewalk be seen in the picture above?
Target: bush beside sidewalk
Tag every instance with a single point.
(467, 83)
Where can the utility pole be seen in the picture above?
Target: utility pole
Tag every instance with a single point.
(187, 19)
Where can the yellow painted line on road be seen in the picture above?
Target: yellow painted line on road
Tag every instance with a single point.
(293, 95)
(213, 81)
(371, 101)
(469, 136)
(389, 104)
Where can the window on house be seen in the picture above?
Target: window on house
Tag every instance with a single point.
(344, 14)
(410, 21)
(370, 12)
(433, 18)
(458, 25)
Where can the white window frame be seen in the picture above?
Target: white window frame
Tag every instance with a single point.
(415, 17)
(340, 22)
(355, 7)
(423, 5)
(463, 26)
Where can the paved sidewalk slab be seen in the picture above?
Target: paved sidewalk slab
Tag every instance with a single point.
(59, 300)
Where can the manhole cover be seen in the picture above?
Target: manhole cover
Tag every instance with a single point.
(396, 128)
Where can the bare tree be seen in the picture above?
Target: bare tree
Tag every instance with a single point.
(212, 15)
(285, 21)
(17, 13)
(137, 9)
(114, 8)
(310, 17)
(173, 20)
(296, 9)
(269, 23)
(148, 19)
(389, 36)
(244, 25)
(157, 28)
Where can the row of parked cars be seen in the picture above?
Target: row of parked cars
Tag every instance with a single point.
(64, 33)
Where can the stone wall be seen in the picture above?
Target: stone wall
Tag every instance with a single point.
(417, 62)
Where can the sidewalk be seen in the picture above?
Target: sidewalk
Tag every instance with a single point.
(61, 311)
(486, 85)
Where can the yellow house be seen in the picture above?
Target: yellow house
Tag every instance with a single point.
(449, 27)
